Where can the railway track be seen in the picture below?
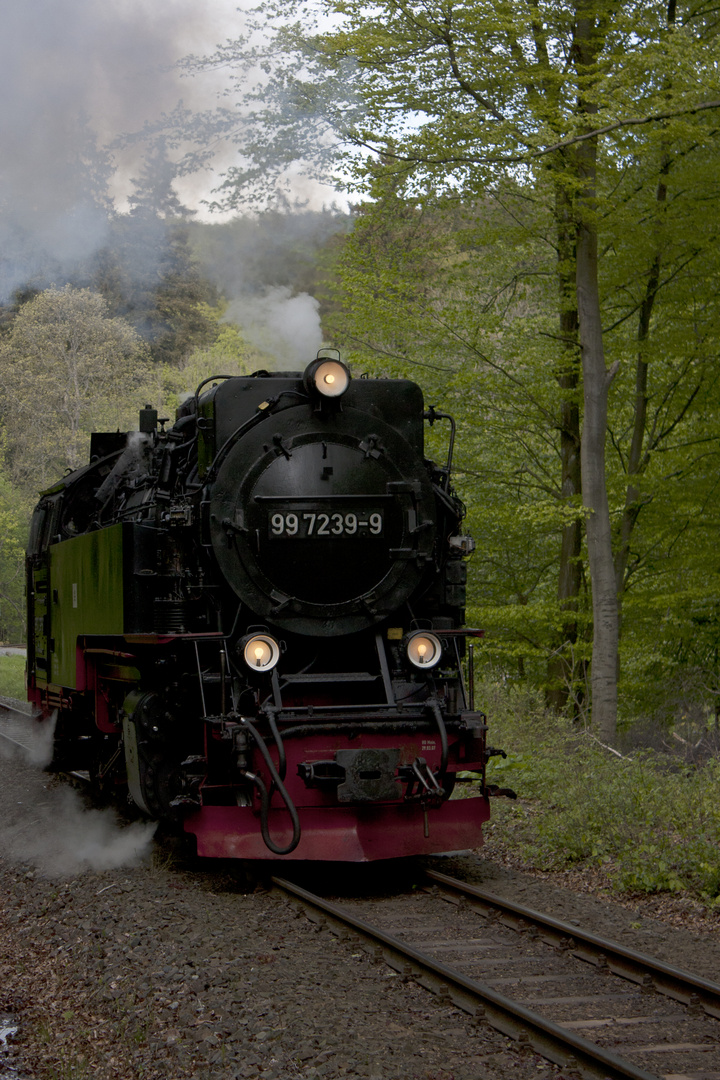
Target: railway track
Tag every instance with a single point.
(14, 720)
(18, 729)
(595, 1008)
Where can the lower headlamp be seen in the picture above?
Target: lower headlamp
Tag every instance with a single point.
(424, 650)
(260, 652)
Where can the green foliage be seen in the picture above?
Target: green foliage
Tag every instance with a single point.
(650, 821)
(68, 368)
(12, 677)
(13, 532)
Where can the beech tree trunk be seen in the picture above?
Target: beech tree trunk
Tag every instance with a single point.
(562, 673)
(596, 385)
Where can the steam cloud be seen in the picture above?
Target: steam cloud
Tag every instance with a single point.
(49, 827)
(261, 265)
(286, 326)
(75, 75)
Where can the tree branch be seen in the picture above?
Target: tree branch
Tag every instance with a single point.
(632, 121)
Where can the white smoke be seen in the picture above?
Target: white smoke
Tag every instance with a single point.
(285, 326)
(76, 77)
(47, 824)
(39, 740)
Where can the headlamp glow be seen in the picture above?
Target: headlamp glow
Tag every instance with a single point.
(327, 377)
(261, 652)
(424, 650)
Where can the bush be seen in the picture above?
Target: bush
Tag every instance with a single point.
(651, 821)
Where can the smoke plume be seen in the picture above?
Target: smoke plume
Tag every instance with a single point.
(267, 267)
(285, 326)
(91, 99)
(48, 825)
(75, 76)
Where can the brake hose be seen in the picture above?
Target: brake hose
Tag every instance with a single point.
(265, 796)
(282, 761)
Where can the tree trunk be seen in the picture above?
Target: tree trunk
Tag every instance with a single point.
(596, 385)
(562, 664)
(636, 464)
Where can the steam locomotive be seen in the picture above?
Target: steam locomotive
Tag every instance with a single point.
(251, 622)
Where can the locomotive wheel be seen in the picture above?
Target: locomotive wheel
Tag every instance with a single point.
(151, 758)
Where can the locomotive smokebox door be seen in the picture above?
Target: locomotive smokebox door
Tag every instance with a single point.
(329, 528)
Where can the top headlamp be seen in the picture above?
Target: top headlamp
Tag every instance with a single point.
(327, 377)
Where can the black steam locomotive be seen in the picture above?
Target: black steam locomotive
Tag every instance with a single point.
(252, 621)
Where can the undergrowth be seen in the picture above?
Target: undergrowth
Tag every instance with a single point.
(650, 820)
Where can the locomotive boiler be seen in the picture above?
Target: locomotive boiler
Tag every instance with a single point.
(251, 622)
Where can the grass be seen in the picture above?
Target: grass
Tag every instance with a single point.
(12, 676)
(650, 820)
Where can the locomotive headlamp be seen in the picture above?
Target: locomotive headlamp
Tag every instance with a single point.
(327, 377)
(424, 650)
(260, 652)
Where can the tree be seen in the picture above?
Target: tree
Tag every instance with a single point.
(13, 532)
(68, 368)
(474, 98)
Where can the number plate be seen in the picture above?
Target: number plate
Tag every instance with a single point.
(311, 524)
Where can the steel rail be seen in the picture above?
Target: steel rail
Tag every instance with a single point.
(557, 1044)
(8, 738)
(629, 964)
(9, 711)
(12, 705)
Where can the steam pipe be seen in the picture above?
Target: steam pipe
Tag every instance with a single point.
(223, 678)
(264, 814)
(433, 414)
(282, 762)
(440, 721)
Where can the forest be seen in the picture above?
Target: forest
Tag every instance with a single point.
(531, 235)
